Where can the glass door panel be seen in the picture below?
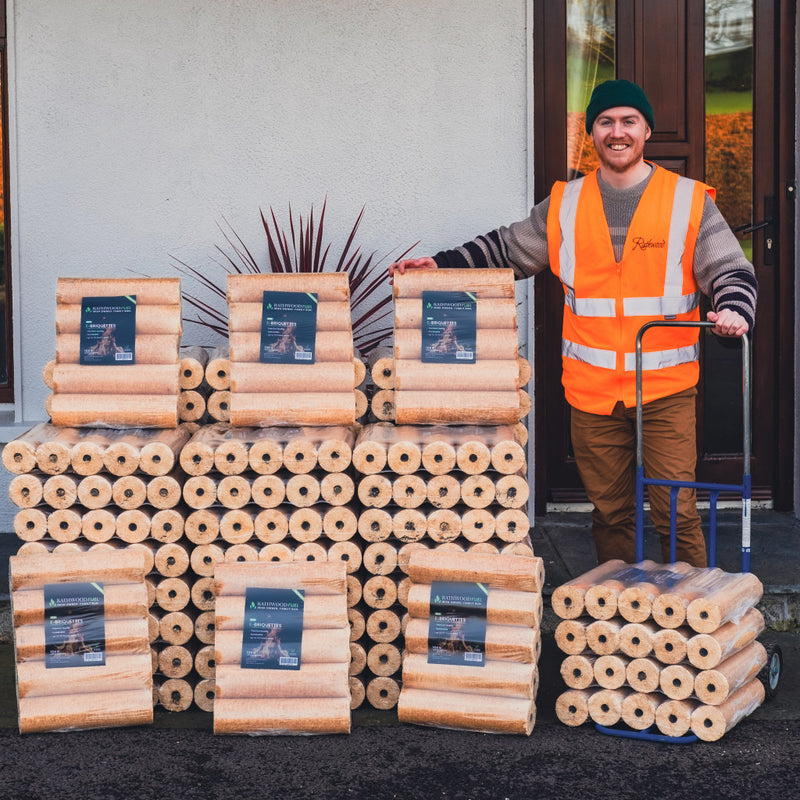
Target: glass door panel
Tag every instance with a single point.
(729, 169)
(591, 59)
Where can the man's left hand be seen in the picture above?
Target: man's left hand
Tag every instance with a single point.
(728, 322)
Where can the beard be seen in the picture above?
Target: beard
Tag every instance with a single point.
(621, 161)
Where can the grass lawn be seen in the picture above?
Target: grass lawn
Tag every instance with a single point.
(728, 102)
(581, 71)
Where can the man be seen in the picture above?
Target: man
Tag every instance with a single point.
(630, 242)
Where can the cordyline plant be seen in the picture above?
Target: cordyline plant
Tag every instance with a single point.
(301, 250)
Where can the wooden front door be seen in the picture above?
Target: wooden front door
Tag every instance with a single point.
(720, 78)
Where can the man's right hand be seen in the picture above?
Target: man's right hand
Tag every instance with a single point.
(411, 263)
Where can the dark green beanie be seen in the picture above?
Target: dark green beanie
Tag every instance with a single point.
(611, 94)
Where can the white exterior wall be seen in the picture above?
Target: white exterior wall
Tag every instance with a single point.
(137, 127)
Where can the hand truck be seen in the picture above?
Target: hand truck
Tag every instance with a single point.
(770, 674)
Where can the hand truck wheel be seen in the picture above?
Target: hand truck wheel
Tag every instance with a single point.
(770, 674)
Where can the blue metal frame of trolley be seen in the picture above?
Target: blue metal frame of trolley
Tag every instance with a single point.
(743, 488)
(714, 489)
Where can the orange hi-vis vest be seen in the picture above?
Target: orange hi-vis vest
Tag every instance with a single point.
(606, 303)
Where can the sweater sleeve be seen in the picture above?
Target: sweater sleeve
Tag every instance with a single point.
(522, 247)
(720, 267)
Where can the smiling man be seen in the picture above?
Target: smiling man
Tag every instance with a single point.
(630, 242)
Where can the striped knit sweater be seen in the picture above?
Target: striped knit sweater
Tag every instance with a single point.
(720, 267)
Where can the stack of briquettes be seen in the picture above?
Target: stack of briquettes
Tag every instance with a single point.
(450, 488)
(472, 641)
(81, 641)
(123, 389)
(274, 495)
(668, 646)
(108, 489)
(485, 389)
(282, 649)
(444, 469)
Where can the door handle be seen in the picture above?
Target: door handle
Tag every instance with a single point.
(756, 226)
(767, 225)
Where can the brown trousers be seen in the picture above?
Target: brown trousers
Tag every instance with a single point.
(605, 452)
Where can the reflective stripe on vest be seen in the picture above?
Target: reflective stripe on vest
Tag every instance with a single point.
(671, 303)
(660, 359)
(589, 306)
(605, 359)
(659, 306)
(566, 217)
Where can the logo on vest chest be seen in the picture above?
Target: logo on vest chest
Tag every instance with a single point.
(640, 243)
